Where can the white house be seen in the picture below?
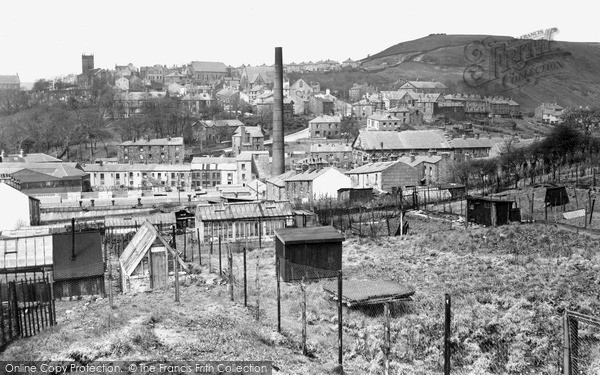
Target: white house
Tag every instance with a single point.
(18, 208)
(383, 121)
(122, 84)
(211, 171)
(316, 184)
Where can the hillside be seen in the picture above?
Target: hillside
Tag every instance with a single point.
(508, 295)
(569, 76)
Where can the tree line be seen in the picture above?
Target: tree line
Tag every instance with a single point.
(573, 141)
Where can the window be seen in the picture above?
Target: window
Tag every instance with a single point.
(159, 175)
(243, 176)
(102, 176)
(172, 174)
(243, 167)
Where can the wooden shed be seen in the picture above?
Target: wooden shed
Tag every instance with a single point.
(145, 261)
(74, 260)
(311, 252)
(355, 195)
(556, 196)
(78, 271)
(491, 211)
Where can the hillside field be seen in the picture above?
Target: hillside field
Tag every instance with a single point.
(509, 288)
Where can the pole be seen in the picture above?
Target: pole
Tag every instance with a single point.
(176, 266)
(245, 280)
(592, 210)
(386, 339)
(185, 244)
(220, 261)
(447, 305)
(574, 340)
(566, 346)
(303, 289)
(230, 260)
(73, 239)
(278, 295)
(340, 317)
(199, 248)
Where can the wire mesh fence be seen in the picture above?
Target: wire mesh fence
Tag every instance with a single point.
(582, 343)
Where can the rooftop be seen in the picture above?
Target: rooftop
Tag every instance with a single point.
(175, 141)
(291, 236)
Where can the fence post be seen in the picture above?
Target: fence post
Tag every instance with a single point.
(386, 339)
(257, 288)
(245, 280)
(110, 282)
(574, 341)
(2, 324)
(210, 256)
(303, 289)
(592, 210)
(14, 309)
(184, 244)
(277, 274)
(230, 260)
(220, 261)
(448, 311)
(340, 317)
(176, 266)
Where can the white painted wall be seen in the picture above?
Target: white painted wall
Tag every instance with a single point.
(14, 208)
(327, 184)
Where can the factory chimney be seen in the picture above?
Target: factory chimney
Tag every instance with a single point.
(278, 166)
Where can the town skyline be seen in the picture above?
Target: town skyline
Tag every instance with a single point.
(142, 34)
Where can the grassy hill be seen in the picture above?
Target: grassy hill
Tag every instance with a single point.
(509, 286)
(442, 57)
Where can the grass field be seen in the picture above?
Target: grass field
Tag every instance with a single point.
(509, 288)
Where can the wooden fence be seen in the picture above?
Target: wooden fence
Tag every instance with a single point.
(26, 307)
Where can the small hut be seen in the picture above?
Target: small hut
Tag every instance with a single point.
(310, 253)
(556, 196)
(145, 261)
(491, 211)
(355, 195)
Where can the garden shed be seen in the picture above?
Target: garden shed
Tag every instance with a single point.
(78, 263)
(311, 252)
(556, 196)
(355, 195)
(491, 211)
(145, 262)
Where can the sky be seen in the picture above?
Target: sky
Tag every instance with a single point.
(45, 38)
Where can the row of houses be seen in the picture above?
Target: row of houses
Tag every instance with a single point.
(384, 176)
(414, 107)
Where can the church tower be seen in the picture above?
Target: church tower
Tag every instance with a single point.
(87, 63)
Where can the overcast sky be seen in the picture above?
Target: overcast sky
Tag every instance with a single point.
(43, 39)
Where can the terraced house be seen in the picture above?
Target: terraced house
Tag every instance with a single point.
(152, 151)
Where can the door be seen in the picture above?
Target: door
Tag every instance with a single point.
(158, 268)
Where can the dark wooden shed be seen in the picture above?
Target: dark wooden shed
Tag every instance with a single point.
(457, 191)
(78, 271)
(311, 252)
(355, 195)
(491, 211)
(556, 196)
